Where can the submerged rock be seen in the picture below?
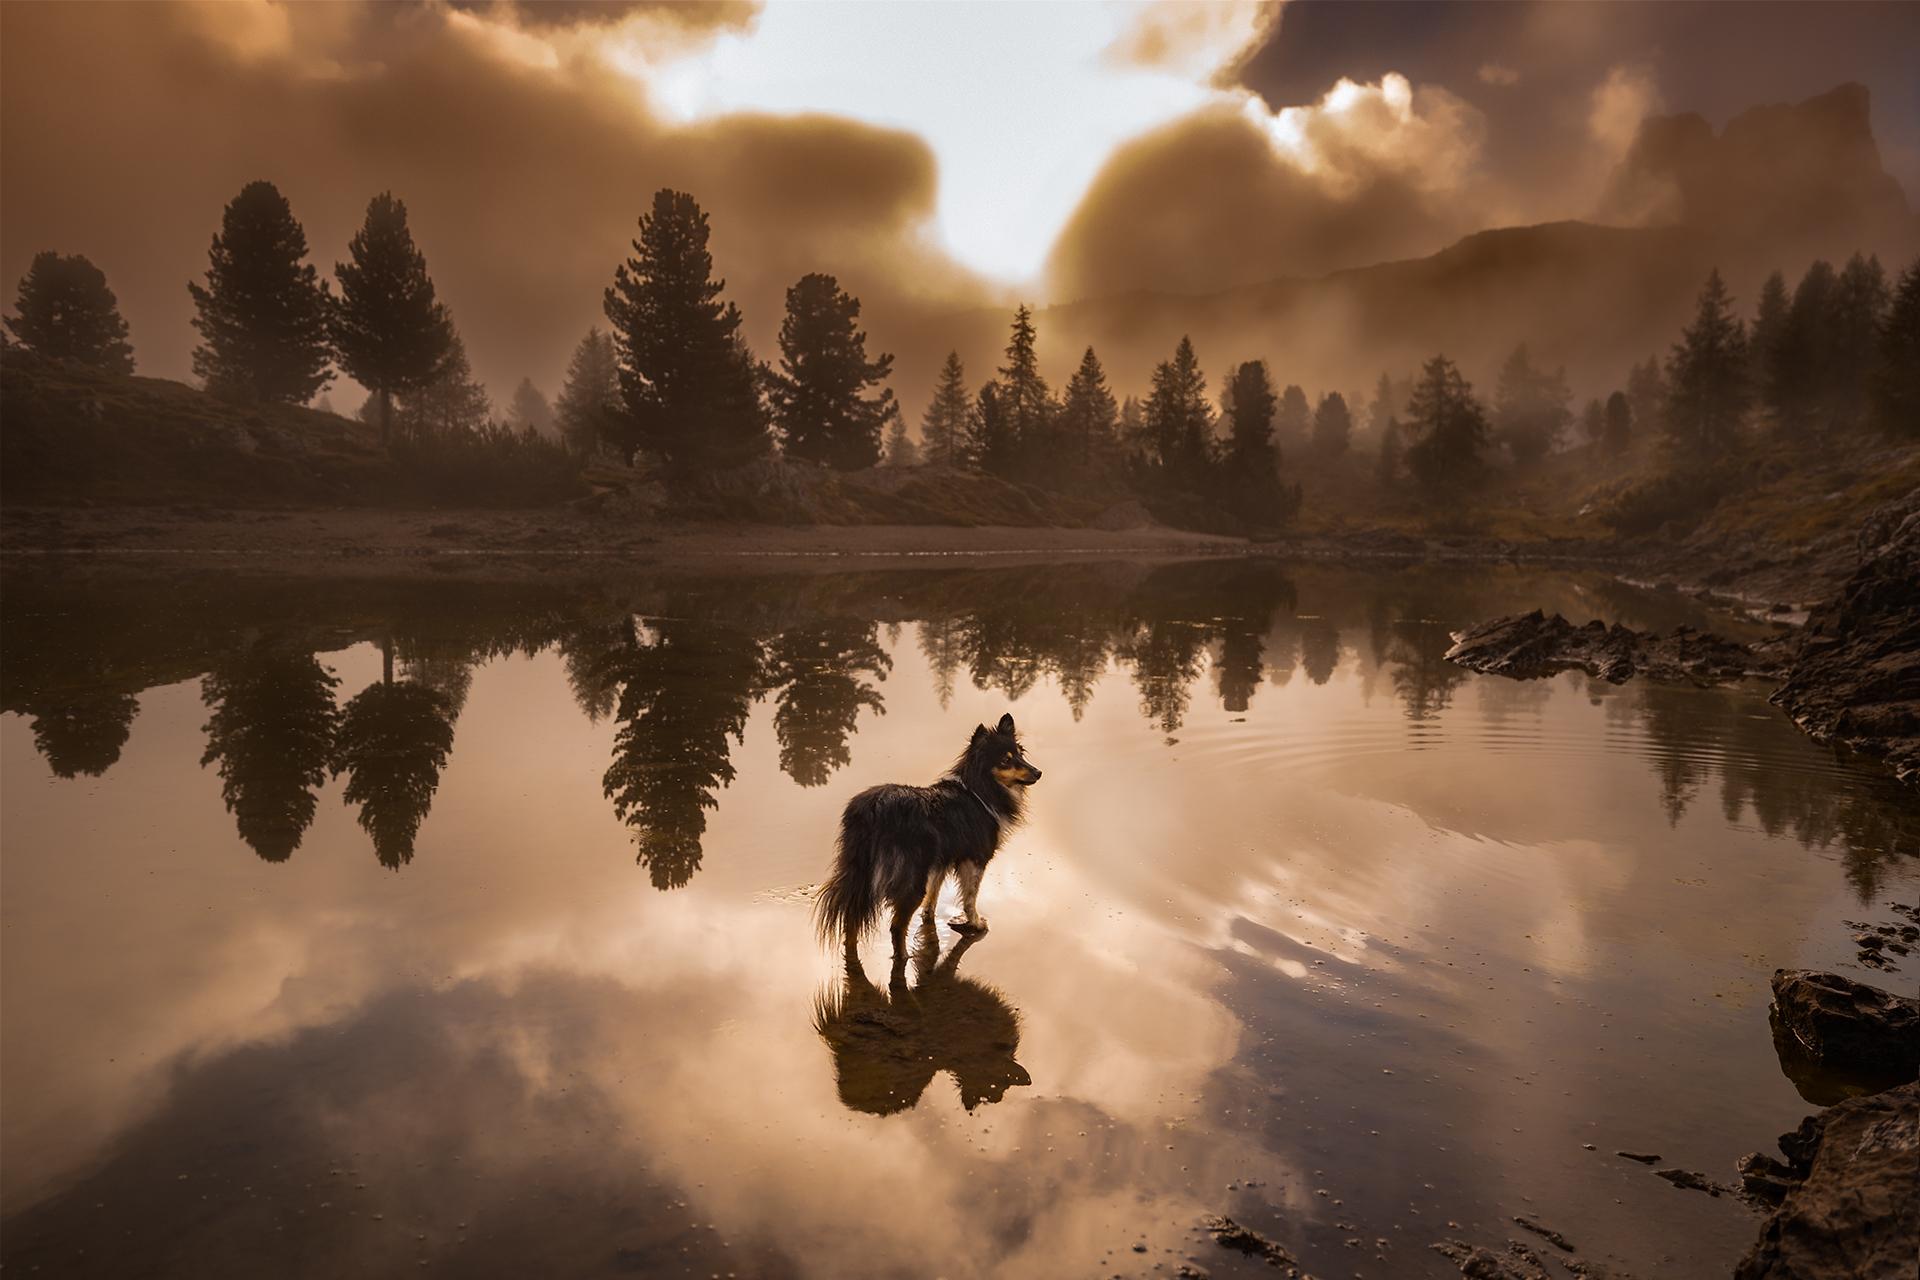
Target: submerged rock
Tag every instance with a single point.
(1837, 1037)
(1856, 679)
(1229, 1234)
(1856, 1210)
(1527, 646)
(1516, 1262)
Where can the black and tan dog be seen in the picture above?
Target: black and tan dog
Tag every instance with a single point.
(897, 843)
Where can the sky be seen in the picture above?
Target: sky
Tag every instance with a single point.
(936, 157)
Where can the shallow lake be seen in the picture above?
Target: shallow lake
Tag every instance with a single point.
(365, 927)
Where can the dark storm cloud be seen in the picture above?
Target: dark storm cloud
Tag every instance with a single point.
(128, 127)
(1544, 58)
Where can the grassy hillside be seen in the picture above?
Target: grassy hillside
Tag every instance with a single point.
(70, 434)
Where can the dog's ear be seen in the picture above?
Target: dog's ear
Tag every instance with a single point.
(1006, 724)
(979, 732)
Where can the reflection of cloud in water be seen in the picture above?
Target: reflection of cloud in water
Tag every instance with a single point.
(1538, 920)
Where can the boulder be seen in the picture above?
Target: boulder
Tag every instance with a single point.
(1855, 1214)
(1856, 678)
(1838, 1037)
(1527, 646)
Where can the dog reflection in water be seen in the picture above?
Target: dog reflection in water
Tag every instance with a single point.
(888, 1045)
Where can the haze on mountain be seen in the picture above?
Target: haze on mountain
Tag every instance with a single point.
(1337, 188)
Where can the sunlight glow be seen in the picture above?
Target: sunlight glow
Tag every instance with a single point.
(1020, 112)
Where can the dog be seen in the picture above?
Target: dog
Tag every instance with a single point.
(898, 843)
(888, 1045)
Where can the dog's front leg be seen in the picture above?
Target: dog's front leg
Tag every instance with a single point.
(969, 874)
(935, 879)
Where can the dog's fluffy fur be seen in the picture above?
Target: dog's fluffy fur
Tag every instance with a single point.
(898, 843)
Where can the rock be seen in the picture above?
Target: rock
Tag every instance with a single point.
(1545, 1233)
(1856, 679)
(1642, 1158)
(1517, 1262)
(1688, 1180)
(1229, 1234)
(1764, 1179)
(1837, 1037)
(1530, 645)
(1857, 1212)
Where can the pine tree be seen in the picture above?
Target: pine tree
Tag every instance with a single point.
(1859, 302)
(945, 426)
(1293, 424)
(1449, 425)
(1798, 363)
(1386, 467)
(391, 332)
(1708, 371)
(1088, 414)
(1619, 423)
(528, 410)
(1332, 425)
(264, 311)
(819, 393)
(1179, 419)
(1024, 398)
(1249, 404)
(1769, 327)
(1593, 422)
(1134, 440)
(451, 401)
(690, 386)
(1530, 407)
(901, 451)
(992, 445)
(1896, 383)
(589, 407)
(1647, 395)
(65, 311)
(1384, 407)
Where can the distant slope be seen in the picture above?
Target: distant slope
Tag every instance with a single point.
(69, 434)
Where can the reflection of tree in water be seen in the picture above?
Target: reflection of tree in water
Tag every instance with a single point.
(392, 744)
(1766, 767)
(272, 732)
(888, 1045)
(1422, 676)
(940, 642)
(818, 671)
(684, 689)
(85, 735)
(1319, 649)
(1242, 644)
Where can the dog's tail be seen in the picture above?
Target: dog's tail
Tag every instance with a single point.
(853, 894)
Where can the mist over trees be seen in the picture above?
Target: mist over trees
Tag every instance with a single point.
(589, 406)
(671, 389)
(946, 427)
(264, 313)
(65, 311)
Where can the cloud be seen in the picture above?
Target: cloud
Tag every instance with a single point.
(1237, 193)
(1624, 99)
(1494, 74)
(524, 158)
(1198, 39)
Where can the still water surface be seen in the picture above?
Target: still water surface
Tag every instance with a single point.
(365, 928)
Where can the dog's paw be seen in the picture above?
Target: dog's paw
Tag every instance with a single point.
(960, 924)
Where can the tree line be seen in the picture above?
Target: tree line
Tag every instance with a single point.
(671, 378)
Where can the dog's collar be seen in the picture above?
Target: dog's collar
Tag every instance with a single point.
(961, 782)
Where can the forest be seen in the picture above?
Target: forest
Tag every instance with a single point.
(670, 390)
